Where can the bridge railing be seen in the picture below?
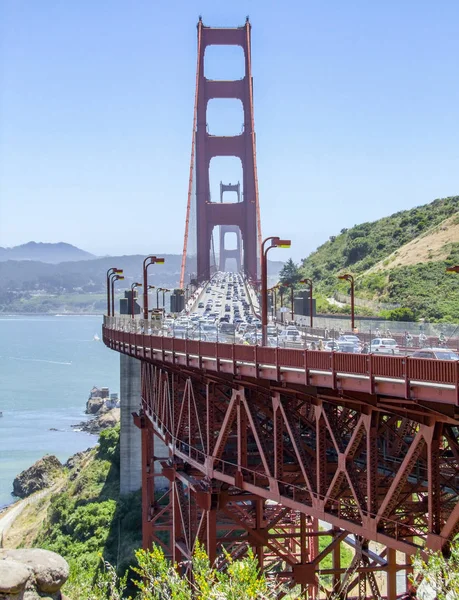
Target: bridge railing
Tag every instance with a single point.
(141, 333)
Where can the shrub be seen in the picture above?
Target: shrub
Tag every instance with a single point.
(109, 447)
(399, 314)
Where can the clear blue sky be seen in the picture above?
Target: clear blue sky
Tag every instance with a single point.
(356, 113)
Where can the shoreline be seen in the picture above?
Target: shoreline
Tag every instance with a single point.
(92, 440)
(15, 500)
(54, 393)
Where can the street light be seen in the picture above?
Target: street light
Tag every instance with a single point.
(350, 278)
(159, 289)
(276, 242)
(311, 304)
(281, 292)
(114, 277)
(273, 300)
(149, 260)
(164, 290)
(134, 285)
(110, 272)
(150, 287)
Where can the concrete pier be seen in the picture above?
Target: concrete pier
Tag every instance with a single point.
(130, 435)
(130, 447)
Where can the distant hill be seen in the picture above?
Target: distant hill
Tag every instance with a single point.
(32, 286)
(90, 275)
(45, 252)
(398, 259)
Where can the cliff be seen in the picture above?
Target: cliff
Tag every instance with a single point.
(39, 476)
(82, 517)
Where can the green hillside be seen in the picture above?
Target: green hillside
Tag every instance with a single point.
(397, 259)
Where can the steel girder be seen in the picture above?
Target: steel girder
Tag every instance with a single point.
(252, 466)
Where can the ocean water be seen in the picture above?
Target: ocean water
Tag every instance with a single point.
(48, 364)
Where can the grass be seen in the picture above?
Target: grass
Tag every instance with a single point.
(423, 289)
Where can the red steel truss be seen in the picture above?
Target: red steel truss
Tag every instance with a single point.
(246, 214)
(293, 470)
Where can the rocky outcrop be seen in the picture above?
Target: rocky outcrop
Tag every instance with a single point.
(76, 463)
(110, 418)
(31, 574)
(94, 405)
(39, 476)
(101, 421)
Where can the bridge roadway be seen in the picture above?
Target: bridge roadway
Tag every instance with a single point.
(396, 380)
(365, 443)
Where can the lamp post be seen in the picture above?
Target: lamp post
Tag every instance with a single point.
(281, 292)
(350, 278)
(110, 272)
(133, 285)
(159, 289)
(164, 290)
(276, 242)
(150, 287)
(311, 304)
(149, 260)
(273, 300)
(114, 277)
(292, 302)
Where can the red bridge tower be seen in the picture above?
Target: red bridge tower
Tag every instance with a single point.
(244, 215)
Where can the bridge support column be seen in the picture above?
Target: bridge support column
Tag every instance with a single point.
(130, 444)
(391, 574)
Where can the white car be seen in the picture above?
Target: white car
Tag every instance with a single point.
(384, 346)
(289, 336)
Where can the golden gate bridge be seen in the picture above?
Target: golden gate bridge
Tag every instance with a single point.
(292, 452)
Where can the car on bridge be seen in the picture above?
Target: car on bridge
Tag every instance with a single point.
(384, 346)
(334, 346)
(350, 339)
(227, 328)
(289, 337)
(271, 331)
(437, 353)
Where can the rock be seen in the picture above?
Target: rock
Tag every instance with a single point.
(101, 421)
(50, 571)
(37, 477)
(110, 419)
(93, 405)
(13, 576)
(74, 462)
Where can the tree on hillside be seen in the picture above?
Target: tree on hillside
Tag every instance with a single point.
(290, 273)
